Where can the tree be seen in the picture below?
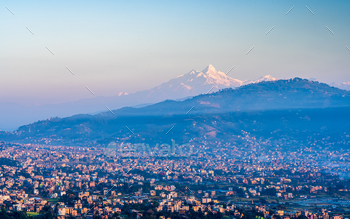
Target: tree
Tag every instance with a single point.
(47, 212)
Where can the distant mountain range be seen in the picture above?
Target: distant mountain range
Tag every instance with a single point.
(343, 85)
(193, 83)
(292, 112)
(197, 82)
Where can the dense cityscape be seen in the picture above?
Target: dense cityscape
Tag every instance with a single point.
(125, 181)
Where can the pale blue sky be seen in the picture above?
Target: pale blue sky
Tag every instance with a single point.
(115, 46)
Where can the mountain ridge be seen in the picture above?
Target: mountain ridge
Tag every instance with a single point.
(295, 104)
(176, 88)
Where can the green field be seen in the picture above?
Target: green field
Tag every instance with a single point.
(32, 213)
(53, 200)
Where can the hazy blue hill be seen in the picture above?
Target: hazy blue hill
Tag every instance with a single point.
(281, 94)
(295, 110)
(179, 88)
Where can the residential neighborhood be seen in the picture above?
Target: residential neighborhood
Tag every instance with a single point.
(78, 182)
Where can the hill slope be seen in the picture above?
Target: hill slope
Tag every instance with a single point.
(295, 111)
(190, 84)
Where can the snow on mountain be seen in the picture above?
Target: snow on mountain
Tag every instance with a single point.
(265, 78)
(199, 82)
(122, 94)
(191, 84)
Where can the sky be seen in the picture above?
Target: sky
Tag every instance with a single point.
(127, 46)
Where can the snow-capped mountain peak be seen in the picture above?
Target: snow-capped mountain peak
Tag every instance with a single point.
(199, 82)
(265, 78)
(209, 70)
(191, 84)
